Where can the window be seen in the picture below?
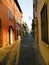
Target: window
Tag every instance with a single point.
(10, 14)
(44, 24)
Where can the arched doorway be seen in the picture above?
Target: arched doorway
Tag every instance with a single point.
(10, 35)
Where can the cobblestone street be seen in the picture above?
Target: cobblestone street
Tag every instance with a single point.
(29, 53)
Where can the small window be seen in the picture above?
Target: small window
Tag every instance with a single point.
(44, 24)
(10, 14)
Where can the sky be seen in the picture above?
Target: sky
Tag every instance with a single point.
(27, 9)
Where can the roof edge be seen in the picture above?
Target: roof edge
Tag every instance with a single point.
(18, 6)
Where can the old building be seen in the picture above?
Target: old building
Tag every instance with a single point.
(25, 29)
(35, 21)
(10, 12)
(41, 18)
(18, 18)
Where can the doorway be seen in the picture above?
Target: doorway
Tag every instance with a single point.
(10, 35)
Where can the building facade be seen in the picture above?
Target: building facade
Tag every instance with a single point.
(9, 11)
(42, 23)
(25, 29)
(35, 21)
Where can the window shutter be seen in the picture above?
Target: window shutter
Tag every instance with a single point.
(10, 14)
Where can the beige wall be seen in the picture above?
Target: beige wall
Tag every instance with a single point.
(44, 48)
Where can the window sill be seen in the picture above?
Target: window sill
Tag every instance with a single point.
(47, 45)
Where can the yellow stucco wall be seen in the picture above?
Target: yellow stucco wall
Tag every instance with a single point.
(48, 17)
(44, 48)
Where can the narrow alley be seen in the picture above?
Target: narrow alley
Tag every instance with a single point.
(24, 32)
(29, 52)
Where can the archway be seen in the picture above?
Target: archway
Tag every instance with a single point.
(10, 35)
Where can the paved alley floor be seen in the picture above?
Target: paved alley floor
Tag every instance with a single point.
(9, 54)
(29, 53)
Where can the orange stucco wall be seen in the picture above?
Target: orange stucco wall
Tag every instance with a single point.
(6, 22)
